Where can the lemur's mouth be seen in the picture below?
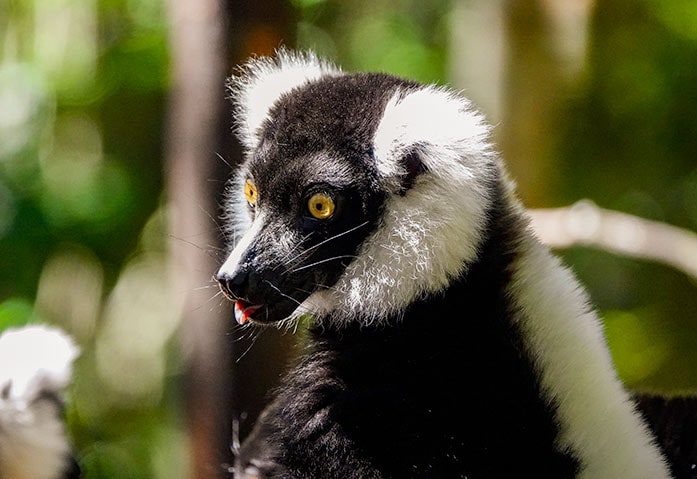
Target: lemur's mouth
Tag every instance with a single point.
(259, 304)
(244, 311)
(263, 314)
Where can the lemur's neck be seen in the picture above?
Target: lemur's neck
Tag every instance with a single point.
(473, 321)
(464, 337)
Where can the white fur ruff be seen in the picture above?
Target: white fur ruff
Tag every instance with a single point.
(597, 419)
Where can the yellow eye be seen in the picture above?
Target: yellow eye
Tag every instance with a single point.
(321, 206)
(250, 192)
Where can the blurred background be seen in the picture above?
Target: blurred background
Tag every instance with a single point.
(115, 146)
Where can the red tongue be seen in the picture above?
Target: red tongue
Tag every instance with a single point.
(243, 311)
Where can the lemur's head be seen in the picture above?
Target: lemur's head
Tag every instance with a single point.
(359, 193)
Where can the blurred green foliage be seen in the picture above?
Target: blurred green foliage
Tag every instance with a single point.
(82, 90)
(629, 142)
(82, 228)
(408, 38)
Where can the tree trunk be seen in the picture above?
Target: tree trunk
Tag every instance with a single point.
(226, 374)
(196, 115)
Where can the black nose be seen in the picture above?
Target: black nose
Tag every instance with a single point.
(233, 286)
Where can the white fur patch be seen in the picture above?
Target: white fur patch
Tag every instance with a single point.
(456, 136)
(265, 80)
(429, 235)
(33, 442)
(236, 219)
(233, 261)
(597, 420)
(35, 358)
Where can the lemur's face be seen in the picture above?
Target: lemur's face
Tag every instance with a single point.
(356, 195)
(308, 218)
(312, 194)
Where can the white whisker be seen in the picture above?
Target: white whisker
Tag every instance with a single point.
(259, 332)
(320, 262)
(280, 292)
(313, 247)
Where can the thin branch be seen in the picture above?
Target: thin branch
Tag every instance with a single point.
(586, 224)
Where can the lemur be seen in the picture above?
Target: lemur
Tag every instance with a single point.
(445, 341)
(35, 367)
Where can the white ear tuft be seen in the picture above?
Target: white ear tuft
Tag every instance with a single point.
(437, 119)
(264, 80)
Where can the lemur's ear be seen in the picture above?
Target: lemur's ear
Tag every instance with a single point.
(413, 166)
(264, 80)
(430, 129)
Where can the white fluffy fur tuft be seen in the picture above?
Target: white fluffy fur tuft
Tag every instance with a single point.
(265, 80)
(430, 234)
(33, 360)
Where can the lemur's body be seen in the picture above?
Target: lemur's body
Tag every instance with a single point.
(447, 342)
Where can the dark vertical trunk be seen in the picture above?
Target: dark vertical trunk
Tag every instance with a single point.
(196, 116)
(209, 37)
(532, 84)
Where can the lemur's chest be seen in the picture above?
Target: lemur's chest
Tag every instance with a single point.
(462, 404)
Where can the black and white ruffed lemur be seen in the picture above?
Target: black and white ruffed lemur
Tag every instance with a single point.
(446, 341)
(36, 364)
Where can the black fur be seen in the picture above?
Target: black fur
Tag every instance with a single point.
(674, 420)
(385, 402)
(336, 114)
